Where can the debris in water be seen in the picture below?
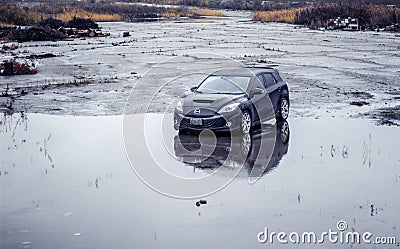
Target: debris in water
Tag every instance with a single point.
(359, 103)
(201, 202)
(77, 234)
(345, 152)
(333, 151)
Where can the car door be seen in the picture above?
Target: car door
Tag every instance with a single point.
(273, 89)
(260, 101)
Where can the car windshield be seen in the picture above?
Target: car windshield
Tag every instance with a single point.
(224, 85)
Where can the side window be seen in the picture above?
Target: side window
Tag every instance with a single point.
(269, 80)
(277, 77)
(261, 79)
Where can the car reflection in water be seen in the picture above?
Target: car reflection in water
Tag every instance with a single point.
(259, 151)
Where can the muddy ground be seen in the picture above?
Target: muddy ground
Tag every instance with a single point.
(330, 74)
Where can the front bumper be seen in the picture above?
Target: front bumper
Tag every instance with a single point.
(218, 123)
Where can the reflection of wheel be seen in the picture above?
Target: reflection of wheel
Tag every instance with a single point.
(283, 109)
(246, 122)
(246, 144)
(284, 131)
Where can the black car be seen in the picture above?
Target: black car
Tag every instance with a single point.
(234, 100)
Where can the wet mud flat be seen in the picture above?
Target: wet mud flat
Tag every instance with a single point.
(65, 180)
(66, 183)
(330, 74)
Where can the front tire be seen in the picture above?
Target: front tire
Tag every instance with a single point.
(283, 109)
(246, 123)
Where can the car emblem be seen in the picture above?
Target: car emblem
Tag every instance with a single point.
(197, 111)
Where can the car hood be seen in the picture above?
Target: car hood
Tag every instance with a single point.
(212, 102)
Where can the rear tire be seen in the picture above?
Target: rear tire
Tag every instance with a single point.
(283, 109)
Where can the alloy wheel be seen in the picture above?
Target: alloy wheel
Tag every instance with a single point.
(284, 109)
(246, 122)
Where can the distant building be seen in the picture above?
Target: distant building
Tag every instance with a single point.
(350, 24)
(353, 24)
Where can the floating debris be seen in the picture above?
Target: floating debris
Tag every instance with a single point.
(359, 103)
(345, 152)
(201, 202)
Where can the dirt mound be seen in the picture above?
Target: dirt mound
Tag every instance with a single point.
(81, 23)
(51, 23)
(53, 29)
(34, 34)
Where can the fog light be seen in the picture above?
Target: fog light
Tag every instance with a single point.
(228, 124)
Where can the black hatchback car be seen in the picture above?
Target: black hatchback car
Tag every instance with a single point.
(232, 100)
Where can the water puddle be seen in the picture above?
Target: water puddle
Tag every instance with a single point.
(66, 182)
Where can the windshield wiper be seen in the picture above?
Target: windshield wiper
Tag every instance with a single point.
(210, 91)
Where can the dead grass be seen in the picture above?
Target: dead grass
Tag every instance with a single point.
(5, 25)
(287, 15)
(195, 12)
(206, 12)
(172, 14)
(68, 15)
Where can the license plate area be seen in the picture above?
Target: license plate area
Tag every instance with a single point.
(196, 121)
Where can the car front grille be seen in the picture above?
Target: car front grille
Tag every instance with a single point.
(207, 122)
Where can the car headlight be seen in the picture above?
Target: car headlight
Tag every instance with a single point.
(179, 106)
(229, 108)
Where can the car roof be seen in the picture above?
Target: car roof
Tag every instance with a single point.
(244, 71)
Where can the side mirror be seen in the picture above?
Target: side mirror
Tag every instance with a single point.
(194, 88)
(184, 95)
(256, 91)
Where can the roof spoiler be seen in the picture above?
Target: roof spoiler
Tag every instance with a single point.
(264, 67)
